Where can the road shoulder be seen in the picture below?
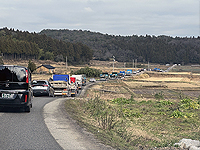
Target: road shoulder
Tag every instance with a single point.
(66, 131)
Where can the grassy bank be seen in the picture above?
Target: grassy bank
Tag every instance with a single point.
(129, 122)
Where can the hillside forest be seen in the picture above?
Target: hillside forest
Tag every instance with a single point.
(25, 45)
(155, 49)
(79, 47)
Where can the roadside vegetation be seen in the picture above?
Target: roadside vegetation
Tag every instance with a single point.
(127, 120)
(89, 72)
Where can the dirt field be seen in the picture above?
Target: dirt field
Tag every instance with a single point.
(143, 86)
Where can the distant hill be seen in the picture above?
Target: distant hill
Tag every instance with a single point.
(156, 49)
(25, 45)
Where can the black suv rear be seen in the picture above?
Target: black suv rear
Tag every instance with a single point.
(15, 87)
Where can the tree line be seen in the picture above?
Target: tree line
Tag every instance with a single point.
(25, 45)
(155, 49)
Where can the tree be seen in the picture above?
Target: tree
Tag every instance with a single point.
(49, 56)
(31, 66)
(59, 58)
(1, 61)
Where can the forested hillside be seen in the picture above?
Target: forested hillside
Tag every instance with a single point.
(156, 49)
(25, 45)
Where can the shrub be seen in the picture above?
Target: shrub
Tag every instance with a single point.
(89, 72)
(103, 113)
(189, 104)
(123, 100)
(162, 102)
(31, 66)
(159, 95)
(176, 114)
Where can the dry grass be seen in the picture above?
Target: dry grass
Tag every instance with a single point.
(152, 126)
(162, 79)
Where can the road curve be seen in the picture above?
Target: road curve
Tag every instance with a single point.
(26, 131)
(66, 131)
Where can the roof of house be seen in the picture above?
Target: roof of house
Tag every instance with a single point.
(47, 66)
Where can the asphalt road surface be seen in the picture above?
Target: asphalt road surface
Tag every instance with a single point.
(20, 131)
(46, 127)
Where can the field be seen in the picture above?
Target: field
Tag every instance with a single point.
(142, 112)
(153, 110)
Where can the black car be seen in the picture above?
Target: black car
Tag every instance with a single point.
(42, 87)
(15, 87)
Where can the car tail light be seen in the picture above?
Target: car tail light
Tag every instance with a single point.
(25, 98)
(45, 85)
(26, 76)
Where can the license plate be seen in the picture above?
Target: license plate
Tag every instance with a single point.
(4, 95)
(64, 92)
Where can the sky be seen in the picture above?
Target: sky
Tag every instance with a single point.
(114, 17)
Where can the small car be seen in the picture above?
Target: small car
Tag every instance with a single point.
(92, 80)
(103, 79)
(42, 88)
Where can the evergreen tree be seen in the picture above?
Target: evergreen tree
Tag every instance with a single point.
(31, 66)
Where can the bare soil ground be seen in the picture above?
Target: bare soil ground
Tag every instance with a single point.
(145, 87)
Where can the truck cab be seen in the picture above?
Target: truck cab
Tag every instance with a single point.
(73, 87)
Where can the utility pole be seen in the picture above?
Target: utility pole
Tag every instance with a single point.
(133, 65)
(125, 67)
(66, 62)
(113, 62)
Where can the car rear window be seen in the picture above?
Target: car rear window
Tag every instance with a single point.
(12, 74)
(39, 83)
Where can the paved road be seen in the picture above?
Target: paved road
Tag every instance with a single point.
(46, 127)
(20, 131)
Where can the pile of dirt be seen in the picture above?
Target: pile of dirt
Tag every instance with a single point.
(142, 76)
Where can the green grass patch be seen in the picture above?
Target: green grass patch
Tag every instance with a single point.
(129, 124)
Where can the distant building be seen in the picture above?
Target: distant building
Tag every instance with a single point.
(45, 69)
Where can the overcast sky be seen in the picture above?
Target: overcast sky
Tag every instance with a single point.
(113, 17)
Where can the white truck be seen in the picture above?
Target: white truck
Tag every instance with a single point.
(61, 85)
(61, 88)
(79, 79)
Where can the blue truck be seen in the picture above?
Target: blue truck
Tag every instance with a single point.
(129, 72)
(61, 85)
(61, 77)
(121, 74)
